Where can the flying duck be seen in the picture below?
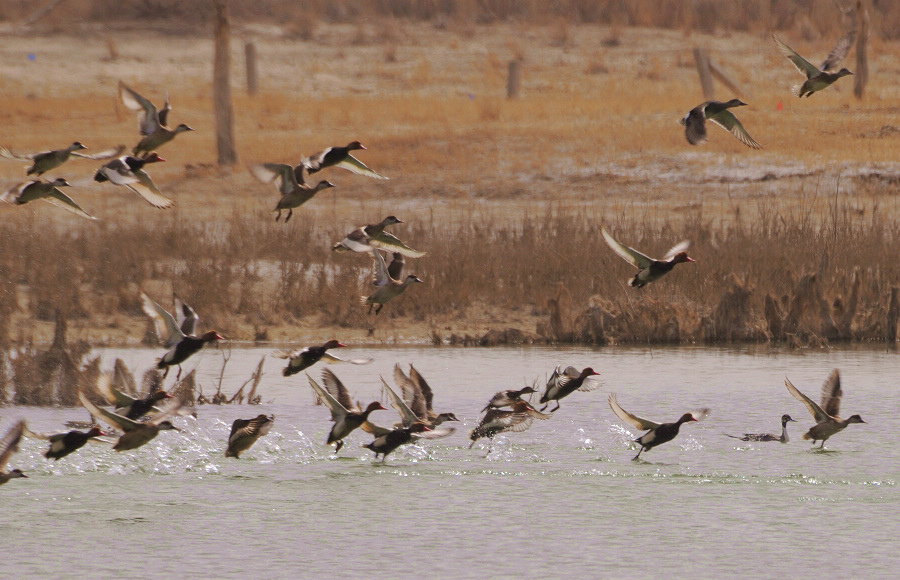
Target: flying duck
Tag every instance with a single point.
(817, 78)
(129, 171)
(340, 157)
(387, 440)
(565, 382)
(657, 433)
(345, 419)
(62, 444)
(497, 421)
(9, 445)
(767, 436)
(182, 345)
(365, 238)
(507, 398)
(717, 112)
(387, 288)
(245, 432)
(302, 359)
(48, 191)
(290, 183)
(151, 121)
(828, 420)
(134, 433)
(48, 160)
(649, 270)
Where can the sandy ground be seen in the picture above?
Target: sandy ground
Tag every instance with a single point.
(595, 126)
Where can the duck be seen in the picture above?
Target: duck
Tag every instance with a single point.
(62, 444)
(387, 440)
(717, 112)
(387, 288)
(45, 161)
(302, 359)
(290, 182)
(345, 419)
(828, 420)
(182, 345)
(497, 421)
(657, 433)
(365, 239)
(565, 382)
(151, 121)
(340, 157)
(817, 78)
(134, 433)
(785, 419)
(8, 446)
(129, 171)
(649, 270)
(508, 398)
(415, 405)
(46, 190)
(245, 432)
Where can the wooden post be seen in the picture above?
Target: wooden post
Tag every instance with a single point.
(252, 70)
(514, 79)
(703, 70)
(720, 75)
(862, 42)
(224, 108)
(893, 315)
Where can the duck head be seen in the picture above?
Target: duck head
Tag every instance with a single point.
(182, 127)
(410, 279)
(323, 185)
(76, 146)
(842, 73)
(681, 257)
(735, 103)
(96, 432)
(60, 182)
(160, 395)
(391, 220)
(211, 336)
(153, 158)
(17, 473)
(526, 391)
(588, 371)
(418, 427)
(786, 418)
(168, 426)
(333, 344)
(445, 417)
(375, 406)
(855, 419)
(686, 417)
(355, 145)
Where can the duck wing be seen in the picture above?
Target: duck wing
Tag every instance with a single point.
(634, 420)
(282, 174)
(831, 394)
(681, 246)
(60, 199)
(356, 166)
(333, 358)
(250, 428)
(407, 416)
(695, 125)
(186, 317)
(143, 186)
(535, 414)
(422, 385)
(391, 243)
(338, 411)
(148, 116)
(434, 433)
(816, 411)
(803, 65)
(730, 123)
(7, 153)
(380, 274)
(105, 154)
(839, 52)
(630, 255)
(114, 420)
(10, 443)
(336, 389)
(375, 430)
(166, 327)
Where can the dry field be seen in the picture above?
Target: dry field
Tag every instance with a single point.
(507, 196)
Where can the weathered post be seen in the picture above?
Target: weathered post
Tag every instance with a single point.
(223, 106)
(861, 75)
(514, 79)
(252, 70)
(703, 70)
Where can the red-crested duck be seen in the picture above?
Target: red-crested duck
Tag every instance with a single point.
(245, 432)
(129, 172)
(387, 440)
(182, 345)
(345, 420)
(717, 112)
(46, 190)
(365, 238)
(649, 270)
(290, 183)
(817, 78)
(783, 438)
(828, 420)
(387, 288)
(497, 421)
(565, 382)
(9, 445)
(657, 433)
(62, 444)
(302, 359)
(134, 433)
(151, 121)
(339, 157)
(48, 160)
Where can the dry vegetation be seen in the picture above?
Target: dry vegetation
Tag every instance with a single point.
(794, 243)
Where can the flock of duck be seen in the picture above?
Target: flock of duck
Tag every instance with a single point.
(141, 420)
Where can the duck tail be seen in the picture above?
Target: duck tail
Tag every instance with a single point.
(807, 436)
(100, 177)
(363, 299)
(797, 90)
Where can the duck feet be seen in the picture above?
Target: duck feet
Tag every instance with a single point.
(338, 444)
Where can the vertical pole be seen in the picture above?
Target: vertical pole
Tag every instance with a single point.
(514, 79)
(862, 42)
(222, 86)
(252, 69)
(703, 70)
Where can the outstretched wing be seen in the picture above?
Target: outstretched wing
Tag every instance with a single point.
(391, 243)
(148, 117)
(105, 154)
(839, 52)
(423, 386)
(7, 153)
(337, 410)
(630, 255)
(114, 420)
(186, 317)
(60, 199)
(831, 394)
(144, 187)
(681, 246)
(407, 417)
(336, 389)
(333, 358)
(634, 420)
(730, 123)
(380, 276)
(412, 394)
(282, 174)
(353, 164)
(803, 65)
(10, 443)
(816, 411)
(166, 327)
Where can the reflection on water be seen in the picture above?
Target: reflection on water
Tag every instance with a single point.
(561, 498)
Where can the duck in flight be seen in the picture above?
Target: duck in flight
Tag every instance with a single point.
(657, 433)
(817, 78)
(827, 416)
(649, 270)
(717, 112)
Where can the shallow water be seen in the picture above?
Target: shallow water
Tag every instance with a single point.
(561, 498)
